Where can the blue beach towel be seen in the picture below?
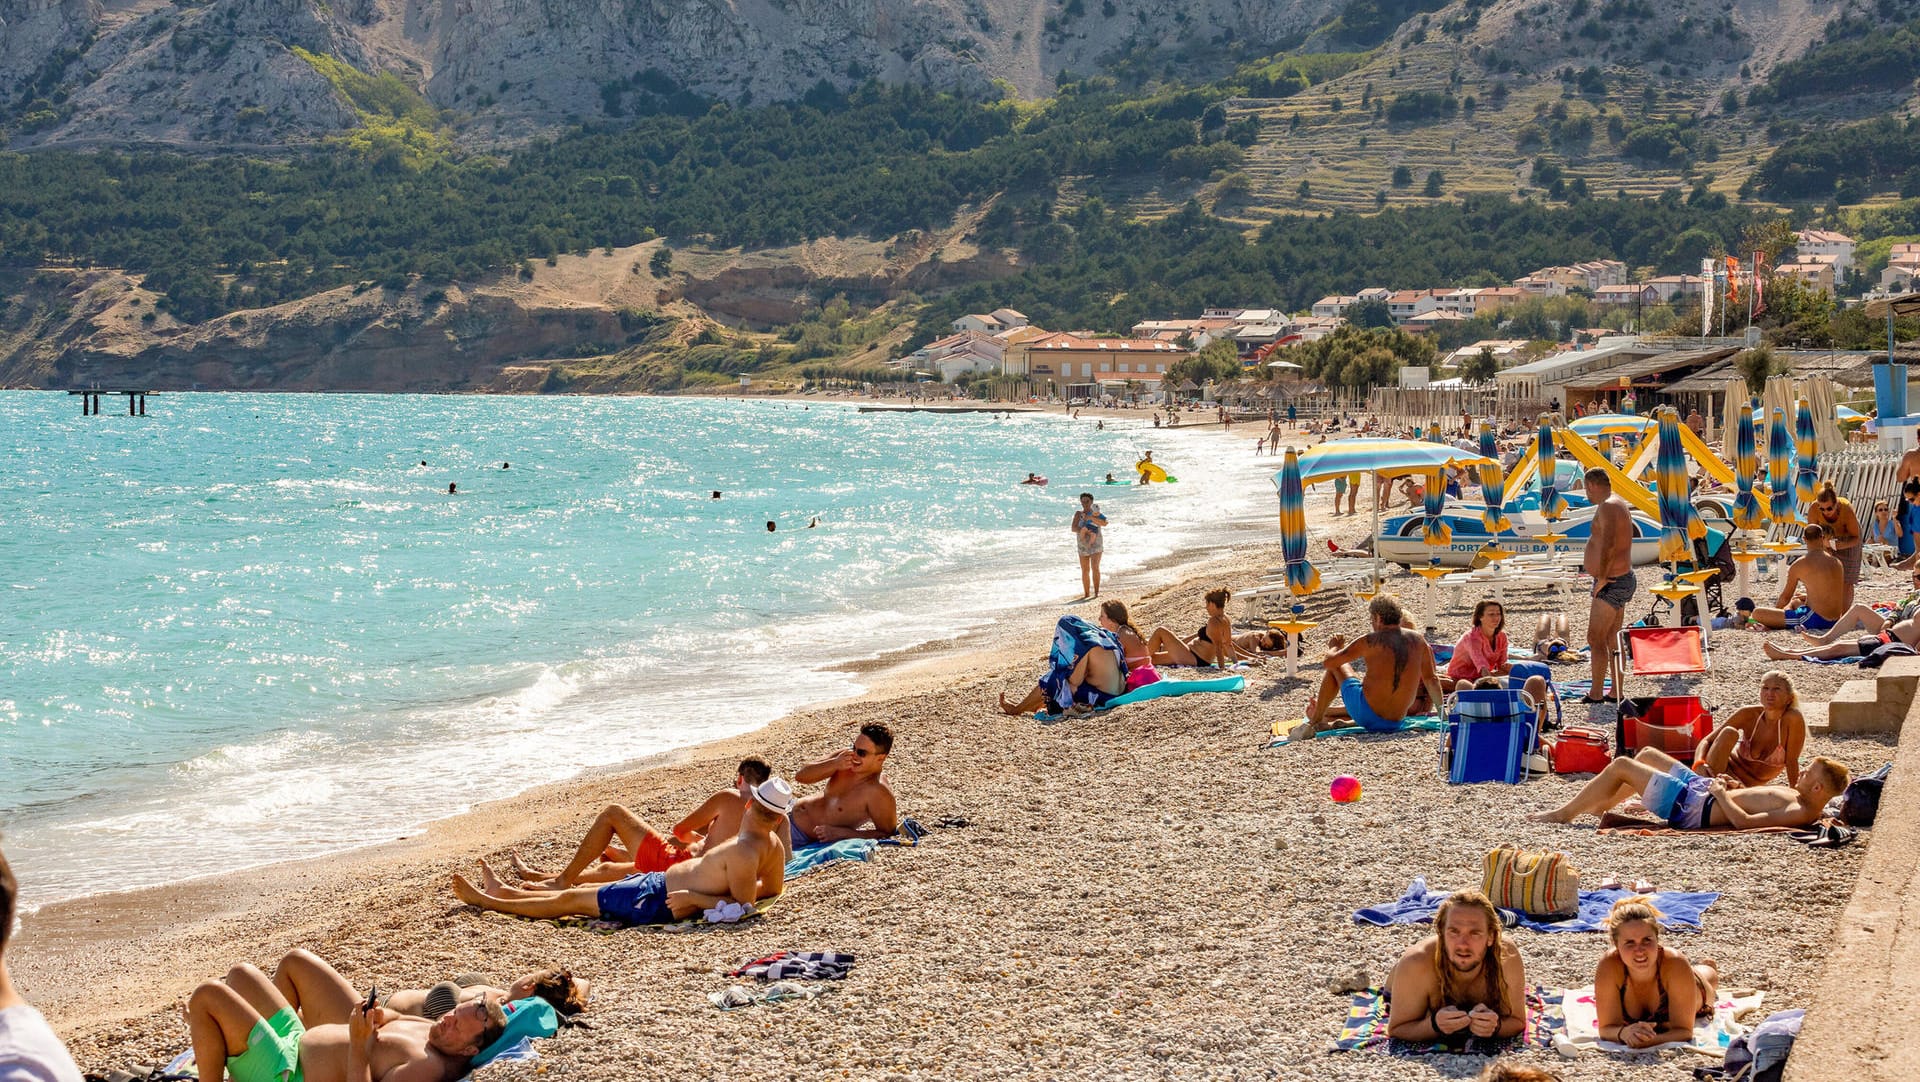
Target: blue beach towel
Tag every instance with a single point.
(1419, 723)
(1072, 638)
(808, 857)
(1163, 688)
(1681, 910)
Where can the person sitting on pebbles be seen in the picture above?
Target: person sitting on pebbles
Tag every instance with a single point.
(744, 870)
(1823, 580)
(1756, 743)
(857, 803)
(1687, 801)
(1399, 666)
(646, 849)
(1463, 982)
(1645, 993)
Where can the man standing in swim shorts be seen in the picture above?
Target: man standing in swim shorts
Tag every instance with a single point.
(1823, 578)
(1399, 665)
(1609, 559)
(857, 803)
(746, 869)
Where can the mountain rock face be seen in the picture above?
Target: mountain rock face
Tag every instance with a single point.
(223, 74)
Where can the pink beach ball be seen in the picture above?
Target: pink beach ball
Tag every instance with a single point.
(1345, 789)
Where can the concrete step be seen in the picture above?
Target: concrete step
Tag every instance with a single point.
(1899, 678)
(1816, 715)
(1859, 708)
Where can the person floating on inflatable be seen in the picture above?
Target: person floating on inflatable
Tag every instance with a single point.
(1034, 479)
(1149, 470)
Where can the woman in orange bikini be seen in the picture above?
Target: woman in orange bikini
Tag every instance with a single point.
(1756, 743)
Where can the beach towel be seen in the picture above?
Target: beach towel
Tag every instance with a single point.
(1166, 687)
(1832, 660)
(1365, 1029)
(1072, 638)
(1419, 723)
(797, 965)
(520, 1051)
(1580, 1027)
(808, 857)
(1682, 909)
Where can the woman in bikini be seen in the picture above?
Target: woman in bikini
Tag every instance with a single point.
(1647, 994)
(1756, 743)
(1211, 645)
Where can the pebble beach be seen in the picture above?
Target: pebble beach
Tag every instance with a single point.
(1151, 892)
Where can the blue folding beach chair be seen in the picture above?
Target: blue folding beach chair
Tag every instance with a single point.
(1489, 736)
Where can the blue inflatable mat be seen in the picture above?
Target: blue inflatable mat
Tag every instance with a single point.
(1164, 687)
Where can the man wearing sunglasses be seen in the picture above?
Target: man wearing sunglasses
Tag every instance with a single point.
(857, 803)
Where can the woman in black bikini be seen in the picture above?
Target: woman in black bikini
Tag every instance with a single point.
(1646, 994)
(1211, 645)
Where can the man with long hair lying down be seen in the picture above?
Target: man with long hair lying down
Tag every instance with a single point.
(1464, 981)
(746, 869)
(1687, 801)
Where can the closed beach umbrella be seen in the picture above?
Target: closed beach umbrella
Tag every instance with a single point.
(1302, 577)
(1747, 512)
(1680, 524)
(1552, 504)
(1493, 484)
(1807, 449)
(1780, 469)
(1437, 532)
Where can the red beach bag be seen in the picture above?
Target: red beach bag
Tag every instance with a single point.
(1578, 749)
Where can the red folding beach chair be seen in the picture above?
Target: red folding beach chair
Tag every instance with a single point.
(1673, 723)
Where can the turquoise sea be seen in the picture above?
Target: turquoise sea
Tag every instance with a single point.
(253, 627)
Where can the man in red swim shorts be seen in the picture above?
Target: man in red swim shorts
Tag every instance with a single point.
(644, 849)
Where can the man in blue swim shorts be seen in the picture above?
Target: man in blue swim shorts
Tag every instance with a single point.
(1821, 580)
(1688, 801)
(746, 869)
(1399, 665)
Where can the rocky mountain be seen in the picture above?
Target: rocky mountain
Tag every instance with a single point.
(231, 73)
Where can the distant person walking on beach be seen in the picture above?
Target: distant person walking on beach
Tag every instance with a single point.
(29, 1051)
(857, 803)
(1088, 523)
(1609, 559)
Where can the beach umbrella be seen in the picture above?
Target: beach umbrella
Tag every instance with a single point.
(1552, 504)
(1381, 457)
(1435, 529)
(1601, 425)
(1302, 577)
(1680, 524)
(1747, 512)
(1493, 484)
(1806, 448)
(1850, 418)
(1780, 469)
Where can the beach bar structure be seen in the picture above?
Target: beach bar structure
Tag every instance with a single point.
(90, 400)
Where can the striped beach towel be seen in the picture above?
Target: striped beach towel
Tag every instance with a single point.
(1365, 1029)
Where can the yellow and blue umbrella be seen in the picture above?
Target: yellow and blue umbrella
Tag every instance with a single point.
(1435, 529)
(1680, 524)
(1612, 424)
(1302, 577)
(1807, 450)
(1493, 484)
(1780, 470)
(1747, 512)
(1552, 504)
(1381, 457)
(1849, 418)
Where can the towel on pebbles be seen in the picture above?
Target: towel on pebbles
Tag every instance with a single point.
(1365, 1029)
(797, 965)
(1710, 1036)
(1682, 909)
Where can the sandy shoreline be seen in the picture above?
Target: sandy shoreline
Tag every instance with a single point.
(1148, 893)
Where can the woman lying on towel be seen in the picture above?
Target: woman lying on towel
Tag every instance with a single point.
(304, 978)
(1085, 669)
(1756, 743)
(1645, 993)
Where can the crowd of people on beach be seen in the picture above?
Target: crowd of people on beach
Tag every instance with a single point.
(724, 861)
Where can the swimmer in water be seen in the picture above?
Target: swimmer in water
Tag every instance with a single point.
(815, 522)
(506, 465)
(770, 526)
(716, 493)
(1110, 479)
(452, 489)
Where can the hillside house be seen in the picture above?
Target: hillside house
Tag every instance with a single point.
(1903, 268)
(1080, 365)
(1671, 287)
(999, 319)
(1327, 307)
(1422, 324)
(1624, 296)
(1814, 273)
(1408, 303)
(1549, 286)
(1376, 293)
(1824, 242)
(1590, 276)
(1489, 301)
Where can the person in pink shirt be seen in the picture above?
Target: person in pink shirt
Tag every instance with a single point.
(1482, 652)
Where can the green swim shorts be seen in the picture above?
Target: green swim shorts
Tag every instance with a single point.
(273, 1051)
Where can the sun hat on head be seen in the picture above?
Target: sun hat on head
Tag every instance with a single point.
(775, 795)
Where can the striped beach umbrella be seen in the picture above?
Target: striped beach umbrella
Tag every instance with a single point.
(1381, 457)
(1680, 524)
(1435, 529)
(1493, 484)
(1552, 504)
(1599, 425)
(1780, 470)
(1302, 577)
(1747, 512)
(1806, 448)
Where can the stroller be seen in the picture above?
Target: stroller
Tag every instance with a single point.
(1707, 556)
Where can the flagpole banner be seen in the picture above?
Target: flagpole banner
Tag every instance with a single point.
(1709, 288)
